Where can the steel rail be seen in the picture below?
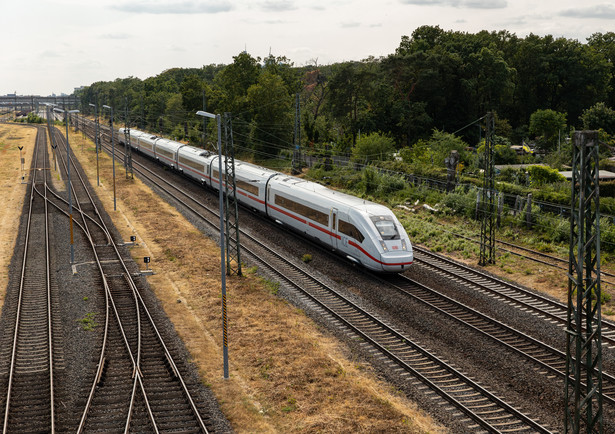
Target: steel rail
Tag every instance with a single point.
(21, 298)
(515, 294)
(501, 333)
(140, 302)
(446, 395)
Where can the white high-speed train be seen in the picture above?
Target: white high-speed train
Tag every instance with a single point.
(367, 233)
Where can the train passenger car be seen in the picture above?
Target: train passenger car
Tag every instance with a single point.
(251, 183)
(166, 151)
(144, 143)
(365, 232)
(135, 135)
(194, 162)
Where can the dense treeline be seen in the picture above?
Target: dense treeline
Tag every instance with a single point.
(435, 80)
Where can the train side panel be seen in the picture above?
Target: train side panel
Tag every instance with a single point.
(166, 151)
(193, 162)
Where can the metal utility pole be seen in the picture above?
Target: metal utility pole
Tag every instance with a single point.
(128, 150)
(296, 164)
(583, 383)
(204, 120)
(69, 185)
(96, 141)
(50, 128)
(233, 249)
(487, 226)
(112, 156)
(222, 243)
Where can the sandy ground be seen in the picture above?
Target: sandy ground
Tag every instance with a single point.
(285, 374)
(12, 191)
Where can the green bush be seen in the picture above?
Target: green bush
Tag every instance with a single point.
(389, 184)
(459, 202)
(541, 175)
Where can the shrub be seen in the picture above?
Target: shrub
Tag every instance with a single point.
(460, 202)
(541, 175)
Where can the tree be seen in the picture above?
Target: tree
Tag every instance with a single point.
(351, 86)
(271, 128)
(599, 116)
(548, 124)
(373, 147)
(236, 79)
(192, 93)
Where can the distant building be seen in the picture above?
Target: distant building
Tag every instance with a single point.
(603, 175)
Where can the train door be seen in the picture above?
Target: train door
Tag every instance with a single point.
(333, 228)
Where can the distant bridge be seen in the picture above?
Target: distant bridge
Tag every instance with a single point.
(31, 102)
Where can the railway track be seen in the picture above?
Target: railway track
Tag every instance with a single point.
(549, 360)
(31, 349)
(534, 255)
(482, 409)
(515, 295)
(138, 385)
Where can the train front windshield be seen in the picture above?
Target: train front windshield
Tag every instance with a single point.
(386, 227)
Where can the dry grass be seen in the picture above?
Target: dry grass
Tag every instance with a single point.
(12, 191)
(286, 375)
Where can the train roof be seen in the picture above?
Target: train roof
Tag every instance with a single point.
(169, 144)
(338, 196)
(191, 151)
(250, 169)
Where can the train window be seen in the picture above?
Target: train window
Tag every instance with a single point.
(164, 152)
(350, 230)
(214, 174)
(193, 164)
(244, 185)
(303, 210)
(386, 227)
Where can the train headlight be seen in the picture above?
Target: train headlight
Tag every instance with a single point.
(403, 245)
(384, 246)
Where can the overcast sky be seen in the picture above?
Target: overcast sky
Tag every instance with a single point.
(53, 46)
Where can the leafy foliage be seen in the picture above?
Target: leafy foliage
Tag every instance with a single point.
(373, 147)
(541, 175)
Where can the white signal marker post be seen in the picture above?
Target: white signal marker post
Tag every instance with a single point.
(222, 257)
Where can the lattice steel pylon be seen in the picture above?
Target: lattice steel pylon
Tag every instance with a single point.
(583, 383)
(233, 250)
(487, 214)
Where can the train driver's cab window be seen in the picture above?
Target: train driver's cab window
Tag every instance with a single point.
(350, 230)
(386, 227)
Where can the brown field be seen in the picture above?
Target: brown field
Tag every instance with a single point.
(12, 191)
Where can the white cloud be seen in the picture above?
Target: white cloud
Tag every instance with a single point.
(469, 4)
(278, 5)
(159, 7)
(603, 11)
(118, 36)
